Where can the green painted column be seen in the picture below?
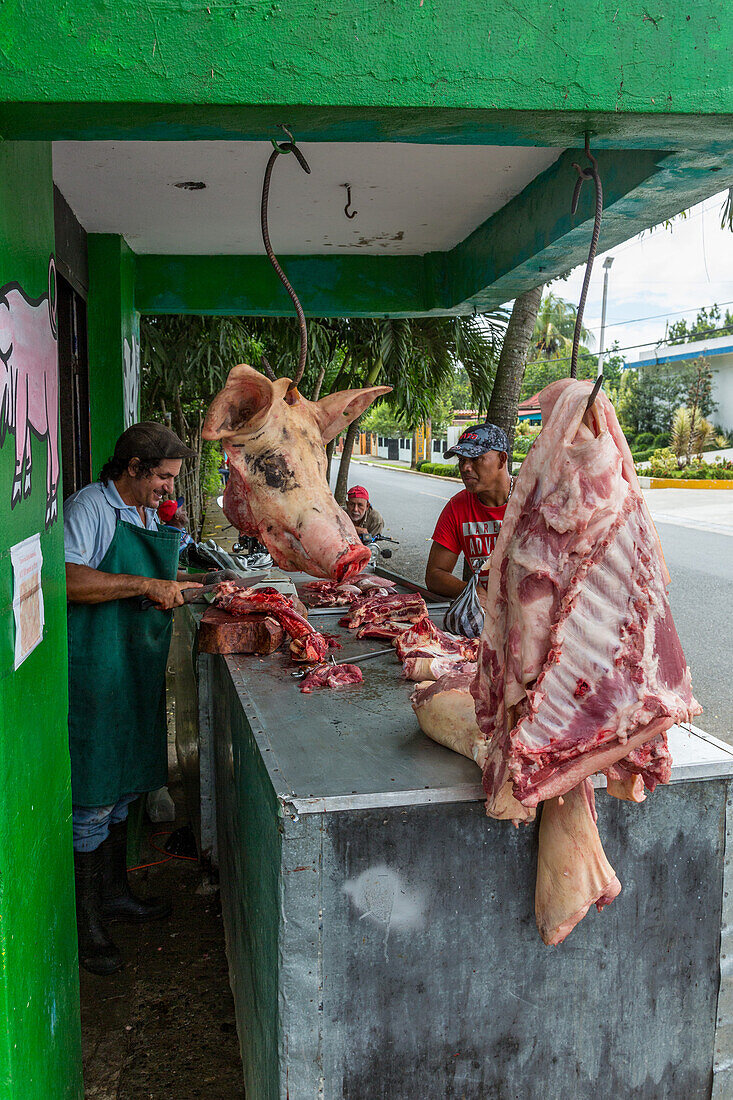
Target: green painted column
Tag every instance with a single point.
(113, 333)
(40, 1044)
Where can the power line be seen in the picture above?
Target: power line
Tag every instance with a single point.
(659, 316)
(612, 351)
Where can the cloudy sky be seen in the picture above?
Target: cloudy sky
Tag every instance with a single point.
(661, 276)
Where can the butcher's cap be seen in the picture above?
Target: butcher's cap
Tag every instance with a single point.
(478, 440)
(150, 442)
(167, 510)
(358, 492)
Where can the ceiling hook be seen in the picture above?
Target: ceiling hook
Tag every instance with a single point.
(349, 214)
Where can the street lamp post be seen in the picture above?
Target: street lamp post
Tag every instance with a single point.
(606, 268)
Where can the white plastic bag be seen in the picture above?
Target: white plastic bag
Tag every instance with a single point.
(465, 615)
(160, 806)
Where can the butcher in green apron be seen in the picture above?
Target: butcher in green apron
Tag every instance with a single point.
(116, 556)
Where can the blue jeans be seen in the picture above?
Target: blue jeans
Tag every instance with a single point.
(90, 824)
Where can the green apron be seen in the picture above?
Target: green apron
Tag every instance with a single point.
(117, 660)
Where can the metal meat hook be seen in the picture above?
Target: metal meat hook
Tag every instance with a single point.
(284, 147)
(588, 173)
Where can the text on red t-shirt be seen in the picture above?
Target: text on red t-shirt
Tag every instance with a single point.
(469, 527)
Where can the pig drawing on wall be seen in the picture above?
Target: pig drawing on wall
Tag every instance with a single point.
(29, 386)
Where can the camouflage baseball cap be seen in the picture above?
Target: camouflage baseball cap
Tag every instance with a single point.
(478, 440)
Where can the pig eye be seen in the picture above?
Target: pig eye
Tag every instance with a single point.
(275, 471)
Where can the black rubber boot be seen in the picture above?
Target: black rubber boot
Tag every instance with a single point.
(118, 901)
(97, 953)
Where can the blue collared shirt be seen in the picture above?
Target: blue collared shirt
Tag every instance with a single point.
(89, 522)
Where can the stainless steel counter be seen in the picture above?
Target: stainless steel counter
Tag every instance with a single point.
(380, 929)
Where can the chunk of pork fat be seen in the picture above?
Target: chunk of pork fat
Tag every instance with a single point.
(572, 870)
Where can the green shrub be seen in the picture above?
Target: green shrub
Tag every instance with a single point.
(522, 444)
(630, 438)
(661, 440)
(443, 469)
(643, 455)
(664, 464)
(644, 439)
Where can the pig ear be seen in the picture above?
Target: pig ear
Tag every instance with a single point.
(337, 410)
(240, 406)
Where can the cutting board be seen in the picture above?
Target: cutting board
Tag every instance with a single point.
(220, 632)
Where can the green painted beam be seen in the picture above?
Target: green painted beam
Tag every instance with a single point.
(418, 125)
(353, 286)
(534, 238)
(530, 240)
(613, 56)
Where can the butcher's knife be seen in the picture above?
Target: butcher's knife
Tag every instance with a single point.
(190, 595)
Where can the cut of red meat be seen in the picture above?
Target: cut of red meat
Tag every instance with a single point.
(374, 612)
(580, 665)
(425, 640)
(330, 594)
(388, 630)
(332, 676)
(306, 644)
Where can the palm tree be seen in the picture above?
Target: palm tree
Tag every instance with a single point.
(416, 356)
(512, 363)
(553, 330)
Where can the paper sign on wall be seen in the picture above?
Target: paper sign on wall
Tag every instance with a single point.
(27, 560)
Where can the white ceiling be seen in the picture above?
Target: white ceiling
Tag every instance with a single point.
(410, 199)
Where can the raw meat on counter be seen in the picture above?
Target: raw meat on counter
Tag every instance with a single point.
(306, 643)
(333, 594)
(384, 616)
(446, 713)
(432, 668)
(277, 489)
(580, 668)
(428, 653)
(332, 676)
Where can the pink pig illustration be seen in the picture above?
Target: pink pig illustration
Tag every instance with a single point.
(29, 384)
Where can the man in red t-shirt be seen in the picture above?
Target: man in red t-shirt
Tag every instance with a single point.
(470, 521)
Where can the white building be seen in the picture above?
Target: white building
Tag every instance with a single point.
(719, 350)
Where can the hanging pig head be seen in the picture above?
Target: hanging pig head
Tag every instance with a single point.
(277, 488)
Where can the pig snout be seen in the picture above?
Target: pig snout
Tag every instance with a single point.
(328, 539)
(351, 562)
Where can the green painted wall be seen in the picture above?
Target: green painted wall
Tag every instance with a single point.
(40, 1056)
(591, 55)
(111, 319)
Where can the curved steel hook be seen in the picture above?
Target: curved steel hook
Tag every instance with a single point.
(588, 173)
(348, 202)
(285, 147)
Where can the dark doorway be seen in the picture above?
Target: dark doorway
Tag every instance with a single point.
(393, 450)
(73, 388)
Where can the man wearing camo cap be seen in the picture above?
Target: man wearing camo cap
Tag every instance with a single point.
(471, 520)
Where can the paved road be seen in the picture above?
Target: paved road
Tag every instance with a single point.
(700, 563)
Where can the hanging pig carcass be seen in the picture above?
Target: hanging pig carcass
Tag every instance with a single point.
(580, 668)
(277, 489)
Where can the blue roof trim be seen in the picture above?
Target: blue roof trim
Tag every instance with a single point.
(708, 353)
